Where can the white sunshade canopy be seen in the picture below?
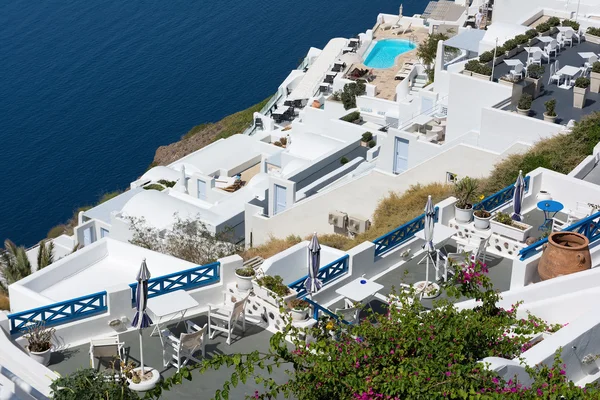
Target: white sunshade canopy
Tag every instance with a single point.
(501, 31)
(316, 72)
(467, 40)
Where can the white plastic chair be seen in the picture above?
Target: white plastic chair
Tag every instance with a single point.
(560, 38)
(107, 347)
(349, 312)
(568, 38)
(577, 35)
(184, 348)
(517, 71)
(228, 316)
(590, 62)
(554, 77)
(535, 58)
(552, 48)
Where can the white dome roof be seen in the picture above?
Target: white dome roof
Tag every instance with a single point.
(158, 208)
(161, 172)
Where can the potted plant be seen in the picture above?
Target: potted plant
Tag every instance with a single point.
(573, 24)
(532, 35)
(243, 277)
(550, 114)
(595, 78)
(510, 48)
(534, 75)
(482, 219)
(524, 104)
(522, 41)
(272, 290)
(502, 224)
(580, 91)
(544, 29)
(592, 35)
(299, 309)
(366, 138)
(553, 22)
(486, 57)
(464, 191)
(137, 381)
(39, 342)
(470, 67)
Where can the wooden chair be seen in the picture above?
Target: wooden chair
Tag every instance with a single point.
(183, 348)
(107, 347)
(227, 316)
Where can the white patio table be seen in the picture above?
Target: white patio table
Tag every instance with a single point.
(545, 39)
(564, 29)
(587, 54)
(569, 71)
(513, 62)
(359, 290)
(169, 306)
(441, 234)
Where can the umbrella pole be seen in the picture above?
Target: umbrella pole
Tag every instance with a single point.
(141, 351)
(426, 277)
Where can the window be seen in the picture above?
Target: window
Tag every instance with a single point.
(201, 189)
(450, 177)
(280, 200)
(103, 232)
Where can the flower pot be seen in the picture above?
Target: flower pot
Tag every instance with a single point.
(537, 86)
(547, 33)
(42, 357)
(482, 223)
(523, 112)
(595, 82)
(299, 315)
(579, 95)
(510, 53)
(467, 73)
(592, 39)
(244, 282)
(146, 385)
(566, 253)
(549, 118)
(463, 215)
(510, 231)
(272, 298)
(481, 76)
(543, 195)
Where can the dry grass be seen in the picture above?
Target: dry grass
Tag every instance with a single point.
(4, 302)
(270, 248)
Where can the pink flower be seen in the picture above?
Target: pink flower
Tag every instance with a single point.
(448, 373)
(562, 372)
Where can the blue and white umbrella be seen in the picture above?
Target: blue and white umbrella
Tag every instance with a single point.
(141, 320)
(312, 283)
(428, 234)
(518, 198)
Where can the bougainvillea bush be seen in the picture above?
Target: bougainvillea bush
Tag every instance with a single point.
(407, 353)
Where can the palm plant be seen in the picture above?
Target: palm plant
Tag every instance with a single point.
(45, 254)
(14, 264)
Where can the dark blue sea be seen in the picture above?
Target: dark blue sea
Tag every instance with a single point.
(89, 89)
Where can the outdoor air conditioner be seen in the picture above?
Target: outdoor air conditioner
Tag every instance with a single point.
(338, 219)
(358, 225)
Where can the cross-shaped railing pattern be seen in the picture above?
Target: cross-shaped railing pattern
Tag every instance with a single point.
(58, 313)
(326, 275)
(498, 199)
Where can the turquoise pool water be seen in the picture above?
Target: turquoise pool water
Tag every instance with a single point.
(385, 51)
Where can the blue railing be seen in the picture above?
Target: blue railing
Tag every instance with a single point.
(400, 235)
(589, 227)
(183, 280)
(59, 313)
(498, 199)
(320, 309)
(326, 274)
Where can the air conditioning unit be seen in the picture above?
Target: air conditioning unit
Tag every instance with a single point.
(338, 219)
(358, 225)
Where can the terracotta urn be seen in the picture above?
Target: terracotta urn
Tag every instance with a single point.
(565, 253)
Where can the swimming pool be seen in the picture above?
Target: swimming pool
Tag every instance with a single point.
(385, 51)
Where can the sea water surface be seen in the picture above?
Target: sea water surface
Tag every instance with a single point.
(90, 89)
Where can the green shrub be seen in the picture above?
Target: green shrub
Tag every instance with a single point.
(372, 143)
(504, 218)
(509, 45)
(337, 96)
(473, 66)
(550, 108)
(593, 31)
(274, 284)
(553, 21)
(245, 272)
(350, 92)
(353, 116)
(485, 70)
(525, 101)
(572, 24)
(486, 56)
(582, 82)
(531, 33)
(522, 39)
(299, 304)
(367, 137)
(543, 27)
(464, 191)
(167, 183)
(535, 71)
(343, 160)
(91, 384)
(154, 186)
(596, 67)
(56, 231)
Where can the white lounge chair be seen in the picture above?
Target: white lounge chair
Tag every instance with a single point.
(224, 317)
(107, 347)
(178, 352)
(397, 31)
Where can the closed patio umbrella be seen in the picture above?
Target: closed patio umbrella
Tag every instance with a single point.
(428, 234)
(518, 198)
(312, 283)
(141, 320)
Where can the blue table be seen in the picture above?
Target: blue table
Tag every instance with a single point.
(550, 209)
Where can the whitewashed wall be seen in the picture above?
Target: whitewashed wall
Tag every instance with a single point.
(504, 10)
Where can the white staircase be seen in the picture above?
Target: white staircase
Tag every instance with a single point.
(419, 82)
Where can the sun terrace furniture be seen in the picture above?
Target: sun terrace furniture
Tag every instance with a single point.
(475, 247)
(169, 307)
(109, 347)
(581, 211)
(405, 70)
(360, 290)
(349, 312)
(224, 317)
(550, 208)
(590, 62)
(179, 351)
(554, 77)
(568, 71)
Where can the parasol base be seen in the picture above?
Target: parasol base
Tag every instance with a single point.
(147, 384)
(429, 291)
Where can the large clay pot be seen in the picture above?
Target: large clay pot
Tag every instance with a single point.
(565, 253)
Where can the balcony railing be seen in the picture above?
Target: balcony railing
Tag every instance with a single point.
(192, 278)
(498, 199)
(589, 227)
(400, 235)
(59, 313)
(317, 309)
(326, 275)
